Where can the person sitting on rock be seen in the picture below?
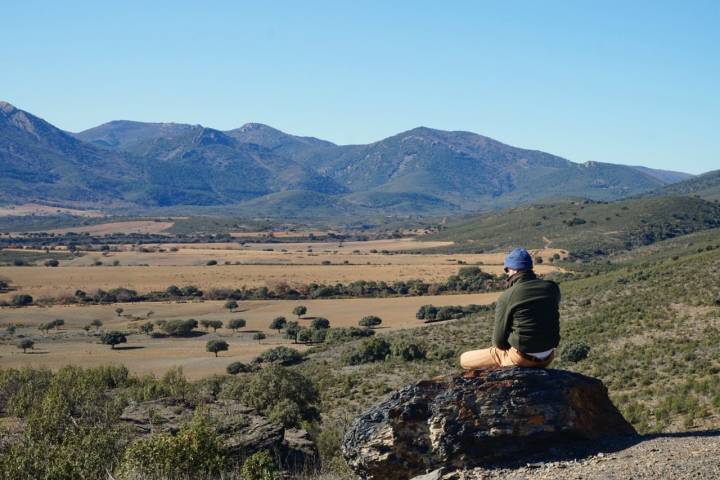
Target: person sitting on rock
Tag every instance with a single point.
(527, 320)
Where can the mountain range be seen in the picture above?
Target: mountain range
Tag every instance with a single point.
(261, 171)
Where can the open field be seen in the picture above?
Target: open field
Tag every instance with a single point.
(36, 209)
(152, 271)
(147, 355)
(137, 226)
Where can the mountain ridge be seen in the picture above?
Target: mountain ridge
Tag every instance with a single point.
(170, 164)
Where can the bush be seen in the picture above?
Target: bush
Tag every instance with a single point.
(113, 338)
(574, 352)
(280, 355)
(210, 263)
(180, 328)
(278, 323)
(215, 346)
(259, 466)
(304, 335)
(237, 367)
(299, 311)
(371, 321)
(275, 390)
(52, 263)
(215, 324)
(259, 336)
(408, 351)
(231, 305)
(21, 300)
(195, 451)
(372, 350)
(339, 335)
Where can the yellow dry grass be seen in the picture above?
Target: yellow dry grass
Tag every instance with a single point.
(41, 210)
(135, 226)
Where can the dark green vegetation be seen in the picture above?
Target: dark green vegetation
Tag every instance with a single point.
(585, 228)
(706, 186)
(262, 171)
(470, 279)
(19, 258)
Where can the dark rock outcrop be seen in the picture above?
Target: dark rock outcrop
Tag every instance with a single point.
(242, 429)
(478, 418)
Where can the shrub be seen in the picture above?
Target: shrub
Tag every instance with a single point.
(215, 346)
(408, 351)
(320, 323)
(231, 305)
(275, 390)
(281, 355)
(210, 263)
(574, 352)
(259, 336)
(113, 338)
(52, 263)
(237, 367)
(180, 328)
(25, 343)
(195, 451)
(304, 335)
(372, 350)
(147, 328)
(371, 321)
(21, 300)
(338, 335)
(236, 324)
(97, 323)
(259, 466)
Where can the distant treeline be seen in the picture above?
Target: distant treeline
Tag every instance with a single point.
(469, 279)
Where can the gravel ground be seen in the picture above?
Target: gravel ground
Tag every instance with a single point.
(666, 456)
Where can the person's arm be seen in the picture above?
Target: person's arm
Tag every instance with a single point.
(501, 331)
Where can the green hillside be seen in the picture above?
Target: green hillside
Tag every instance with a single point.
(584, 227)
(706, 186)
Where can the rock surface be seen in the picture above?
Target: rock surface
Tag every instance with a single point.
(242, 429)
(478, 418)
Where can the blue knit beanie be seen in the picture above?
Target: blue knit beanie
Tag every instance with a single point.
(519, 259)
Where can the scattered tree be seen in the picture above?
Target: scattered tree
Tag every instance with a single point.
(299, 311)
(281, 355)
(97, 323)
(304, 335)
(21, 300)
(236, 324)
(216, 346)
(25, 343)
(259, 336)
(57, 323)
(52, 263)
(180, 328)
(119, 311)
(113, 338)
(231, 305)
(320, 323)
(215, 324)
(10, 329)
(291, 330)
(210, 263)
(205, 324)
(278, 324)
(371, 321)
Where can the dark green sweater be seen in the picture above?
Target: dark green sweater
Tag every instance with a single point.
(527, 316)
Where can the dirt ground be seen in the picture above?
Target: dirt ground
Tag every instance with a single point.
(143, 354)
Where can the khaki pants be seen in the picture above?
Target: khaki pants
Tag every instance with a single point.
(494, 357)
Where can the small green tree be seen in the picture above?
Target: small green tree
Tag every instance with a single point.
(299, 311)
(370, 321)
(179, 328)
(215, 324)
(259, 336)
(10, 329)
(205, 324)
(320, 323)
(119, 311)
(278, 323)
(237, 324)
(575, 352)
(304, 335)
(291, 330)
(97, 324)
(231, 305)
(215, 346)
(25, 343)
(113, 338)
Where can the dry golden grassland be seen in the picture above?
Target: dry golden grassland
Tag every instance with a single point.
(142, 354)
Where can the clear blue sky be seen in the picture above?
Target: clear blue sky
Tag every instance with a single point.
(624, 82)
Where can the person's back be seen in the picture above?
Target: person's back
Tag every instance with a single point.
(527, 326)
